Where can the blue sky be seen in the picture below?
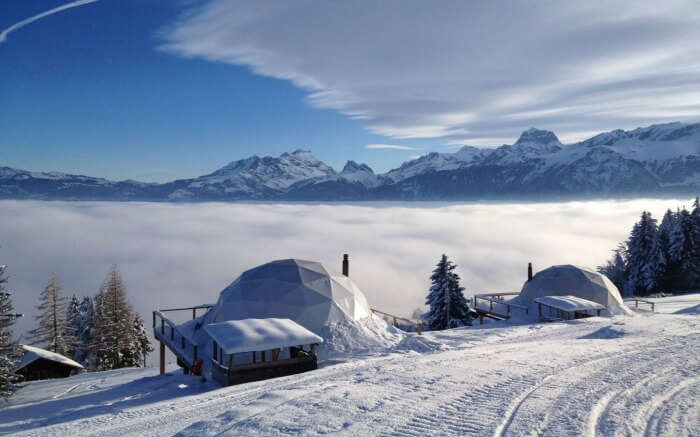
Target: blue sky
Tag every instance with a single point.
(157, 90)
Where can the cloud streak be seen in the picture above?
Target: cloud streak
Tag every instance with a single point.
(465, 70)
(388, 147)
(20, 24)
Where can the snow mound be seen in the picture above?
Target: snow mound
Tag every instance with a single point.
(694, 310)
(607, 332)
(369, 336)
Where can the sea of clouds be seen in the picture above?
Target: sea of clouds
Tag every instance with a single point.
(184, 254)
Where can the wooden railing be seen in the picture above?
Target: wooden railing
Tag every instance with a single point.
(167, 332)
(638, 299)
(395, 319)
(497, 299)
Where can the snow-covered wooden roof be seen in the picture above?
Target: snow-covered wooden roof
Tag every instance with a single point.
(235, 336)
(569, 303)
(34, 353)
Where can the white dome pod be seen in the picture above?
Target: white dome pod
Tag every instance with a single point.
(306, 292)
(569, 280)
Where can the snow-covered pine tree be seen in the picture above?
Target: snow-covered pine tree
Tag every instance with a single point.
(641, 268)
(85, 351)
(684, 249)
(661, 250)
(114, 333)
(448, 307)
(9, 350)
(141, 346)
(73, 321)
(616, 267)
(53, 333)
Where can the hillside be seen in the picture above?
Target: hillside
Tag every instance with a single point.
(623, 375)
(658, 160)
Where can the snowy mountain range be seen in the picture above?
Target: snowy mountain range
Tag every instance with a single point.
(661, 159)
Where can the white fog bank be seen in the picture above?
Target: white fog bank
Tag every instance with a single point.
(184, 254)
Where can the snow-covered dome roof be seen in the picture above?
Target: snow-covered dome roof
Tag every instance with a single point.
(306, 292)
(569, 280)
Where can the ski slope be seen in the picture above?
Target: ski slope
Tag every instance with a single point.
(637, 375)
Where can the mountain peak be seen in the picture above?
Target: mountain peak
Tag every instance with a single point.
(353, 167)
(537, 136)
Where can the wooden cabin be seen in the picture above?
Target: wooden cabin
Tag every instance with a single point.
(39, 363)
(256, 349)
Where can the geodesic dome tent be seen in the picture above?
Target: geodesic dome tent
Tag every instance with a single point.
(569, 280)
(306, 292)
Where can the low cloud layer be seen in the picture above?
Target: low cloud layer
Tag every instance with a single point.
(466, 72)
(174, 255)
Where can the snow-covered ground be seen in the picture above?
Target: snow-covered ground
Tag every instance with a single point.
(625, 375)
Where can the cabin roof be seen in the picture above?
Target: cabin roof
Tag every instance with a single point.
(235, 336)
(569, 303)
(32, 354)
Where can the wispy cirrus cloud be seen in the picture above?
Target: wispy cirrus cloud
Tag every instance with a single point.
(465, 71)
(20, 24)
(388, 147)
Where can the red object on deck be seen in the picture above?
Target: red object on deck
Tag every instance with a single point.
(197, 368)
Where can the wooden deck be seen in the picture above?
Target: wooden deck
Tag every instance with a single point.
(168, 335)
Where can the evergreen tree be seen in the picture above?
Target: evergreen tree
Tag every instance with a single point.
(141, 346)
(684, 249)
(53, 332)
(448, 307)
(9, 350)
(642, 272)
(616, 267)
(661, 250)
(85, 352)
(72, 320)
(114, 324)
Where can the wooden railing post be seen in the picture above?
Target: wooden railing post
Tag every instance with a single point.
(162, 358)
(154, 319)
(162, 326)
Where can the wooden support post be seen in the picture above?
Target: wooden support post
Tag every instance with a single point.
(253, 356)
(481, 319)
(194, 313)
(419, 328)
(154, 319)
(172, 333)
(162, 358)
(636, 303)
(230, 361)
(263, 357)
(539, 305)
(216, 350)
(652, 307)
(162, 326)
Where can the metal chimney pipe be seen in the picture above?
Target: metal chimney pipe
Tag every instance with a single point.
(529, 272)
(346, 265)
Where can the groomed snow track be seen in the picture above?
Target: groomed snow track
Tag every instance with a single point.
(622, 376)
